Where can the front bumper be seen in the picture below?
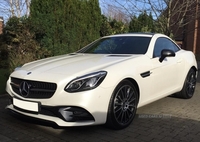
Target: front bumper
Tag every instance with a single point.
(65, 109)
(56, 120)
(66, 113)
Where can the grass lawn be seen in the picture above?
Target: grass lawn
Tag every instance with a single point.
(3, 80)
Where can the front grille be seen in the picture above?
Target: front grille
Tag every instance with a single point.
(33, 89)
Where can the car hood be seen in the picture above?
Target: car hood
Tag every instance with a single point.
(72, 64)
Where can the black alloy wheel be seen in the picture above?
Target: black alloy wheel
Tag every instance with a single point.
(123, 105)
(189, 85)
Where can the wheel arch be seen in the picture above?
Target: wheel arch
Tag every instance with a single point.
(109, 120)
(194, 68)
(184, 93)
(136, 85)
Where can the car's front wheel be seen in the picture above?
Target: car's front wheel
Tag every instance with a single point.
(123, 105)
(189, 85)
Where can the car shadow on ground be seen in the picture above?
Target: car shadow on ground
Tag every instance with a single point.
(145, 127)
(168, 119)
(198, 77)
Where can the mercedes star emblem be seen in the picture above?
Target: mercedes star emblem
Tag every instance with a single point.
(24, 89)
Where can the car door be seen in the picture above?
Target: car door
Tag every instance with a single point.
(166, 73)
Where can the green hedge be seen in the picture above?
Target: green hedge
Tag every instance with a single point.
(3, 79)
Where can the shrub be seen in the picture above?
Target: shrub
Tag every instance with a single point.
(21, 45)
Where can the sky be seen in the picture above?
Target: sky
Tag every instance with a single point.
(103, 5)
(5, 8)
(134, 7)
(129, 7)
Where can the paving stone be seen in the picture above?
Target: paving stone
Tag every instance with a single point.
(166, 120)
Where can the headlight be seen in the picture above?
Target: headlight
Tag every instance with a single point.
(86, 82)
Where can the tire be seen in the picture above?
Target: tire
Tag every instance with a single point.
(188, 89)
(123, 106)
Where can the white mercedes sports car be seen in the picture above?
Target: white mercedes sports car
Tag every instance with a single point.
(103, 83)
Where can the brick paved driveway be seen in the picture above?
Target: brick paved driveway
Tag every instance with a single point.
(169, 119)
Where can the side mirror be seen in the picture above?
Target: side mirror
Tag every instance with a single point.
(166, 53)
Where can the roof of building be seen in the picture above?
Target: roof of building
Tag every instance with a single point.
(1, 18)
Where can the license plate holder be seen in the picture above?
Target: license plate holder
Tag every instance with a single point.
(27, 106)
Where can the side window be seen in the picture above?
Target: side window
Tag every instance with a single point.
(164, 43)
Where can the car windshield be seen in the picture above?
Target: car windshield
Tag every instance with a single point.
(118, 45)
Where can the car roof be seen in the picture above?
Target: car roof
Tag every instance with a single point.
(140, 33)
(137, 34)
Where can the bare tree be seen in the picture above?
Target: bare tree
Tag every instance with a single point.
(114, 11)
(175, 15)
(169, 14)
(18, 8)
(27, 6)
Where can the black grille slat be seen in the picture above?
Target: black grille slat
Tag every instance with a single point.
(40, 90)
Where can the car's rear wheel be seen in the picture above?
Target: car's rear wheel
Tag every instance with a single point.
(189, 85)
(123, 105)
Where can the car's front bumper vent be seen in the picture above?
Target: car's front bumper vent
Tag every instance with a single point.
(33, 89)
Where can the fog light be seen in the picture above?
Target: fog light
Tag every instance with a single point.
(67, 115)
(75, 114)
